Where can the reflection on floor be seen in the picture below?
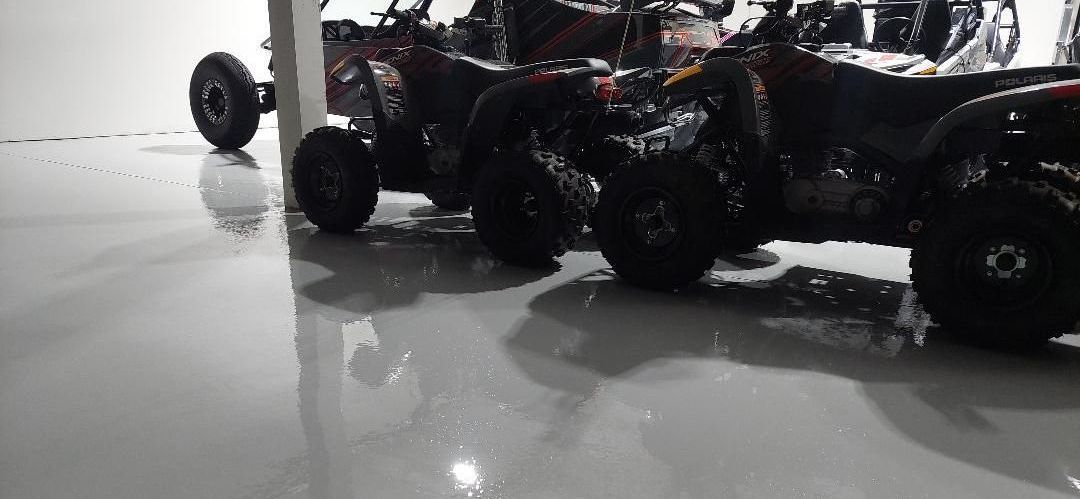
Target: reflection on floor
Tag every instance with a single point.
(170, 332)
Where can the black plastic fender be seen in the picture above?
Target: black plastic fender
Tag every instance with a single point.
(992, 105)
(384, 87)
(489, 113)
(712, 76)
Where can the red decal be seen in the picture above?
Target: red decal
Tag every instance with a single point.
(1065, 91)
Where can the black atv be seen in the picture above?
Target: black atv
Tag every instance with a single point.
(463, 128)
(967, 170)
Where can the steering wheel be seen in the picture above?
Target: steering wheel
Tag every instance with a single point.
(332, 31)
(770, 29)
(353, 30)
(898, 37)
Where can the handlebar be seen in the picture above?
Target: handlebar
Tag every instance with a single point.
(393, 14)
(780, 6)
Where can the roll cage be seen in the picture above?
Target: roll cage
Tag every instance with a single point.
(378, 31)
(1068, 42)
(944, 31)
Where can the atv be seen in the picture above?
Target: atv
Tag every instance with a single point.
(464, 128)
(969, 171)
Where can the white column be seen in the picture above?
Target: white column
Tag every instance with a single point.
(299, 80)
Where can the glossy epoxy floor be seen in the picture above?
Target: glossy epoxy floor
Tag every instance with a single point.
(167, 331)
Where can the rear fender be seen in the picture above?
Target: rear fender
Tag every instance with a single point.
(493, 107)
(993, 106)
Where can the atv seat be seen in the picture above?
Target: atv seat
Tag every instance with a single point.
(476, 75)
(902, 100)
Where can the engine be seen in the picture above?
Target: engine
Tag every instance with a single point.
(835, 181)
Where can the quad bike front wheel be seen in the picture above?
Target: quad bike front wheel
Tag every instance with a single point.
(449, 200)
(658, 222)
(224, 101)
(529, 207)
(1000, 265)
(335, 179)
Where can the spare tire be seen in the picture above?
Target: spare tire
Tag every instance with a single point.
(224, 101)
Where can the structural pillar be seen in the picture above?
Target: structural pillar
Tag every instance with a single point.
(299, 79)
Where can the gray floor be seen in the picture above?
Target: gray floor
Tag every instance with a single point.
(167, 331)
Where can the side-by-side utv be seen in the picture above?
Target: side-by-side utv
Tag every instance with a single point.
(626, 34)
(906, 36)
(971, 171)
(226, 101)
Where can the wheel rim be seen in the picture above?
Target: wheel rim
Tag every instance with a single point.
(652, 223)
(1007, 271)
(325, 183)
(215, 101)
(516, 210)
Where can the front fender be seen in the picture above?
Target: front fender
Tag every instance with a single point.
(384, 88)
(713, 76)
(994, 105)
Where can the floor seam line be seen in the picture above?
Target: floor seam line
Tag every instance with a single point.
(136, 134)
(101, 170)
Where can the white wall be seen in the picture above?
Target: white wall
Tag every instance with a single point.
(96, 67)
(72, 68)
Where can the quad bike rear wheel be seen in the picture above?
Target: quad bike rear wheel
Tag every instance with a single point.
(1000, 265)
(335, 179)
(658, 222)
(449, 200)
(224, 101)
(529, 207)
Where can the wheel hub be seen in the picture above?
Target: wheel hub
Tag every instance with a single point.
(324, 181)
(1006, 262)
(1008, 270)
(517, 210)
(214, 100)
(329, 182)
(654, 223)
